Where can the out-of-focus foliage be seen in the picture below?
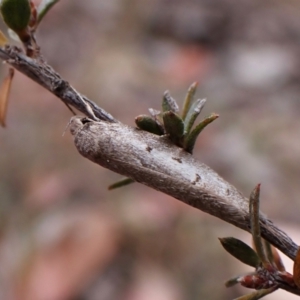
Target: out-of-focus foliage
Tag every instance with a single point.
(63, 235)
(16, 14)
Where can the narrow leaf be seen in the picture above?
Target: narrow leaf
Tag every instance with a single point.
(255, 227)
(191, 138)
(296, 272)
(121, 183)
(189, 99)
(4, 94)
(44, 7)
(240, 251)
(277, 259)
(192, 115)
(257, 294)
(268, 251)
(273, 255)
(146, 123)
(169, 103)
(174, 127)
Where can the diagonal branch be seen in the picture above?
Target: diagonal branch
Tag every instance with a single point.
(155, 162)
(147, 158)
(44, 75)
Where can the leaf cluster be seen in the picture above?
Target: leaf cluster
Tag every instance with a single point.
(178, 126)
(269, 273)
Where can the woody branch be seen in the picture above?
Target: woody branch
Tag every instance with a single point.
(146, 158)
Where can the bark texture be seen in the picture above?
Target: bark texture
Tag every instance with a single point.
(144, 157)
(156, 162)
(43, 74)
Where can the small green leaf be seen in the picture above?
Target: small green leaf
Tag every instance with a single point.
(189, 99)
(273, 255)
(192, 115)
(146, 123)
(121, 183)
(169, 103)
(240, 251)
(257, 294)
(191, 138)
(16, 14)
(44, 7)
(174, 127)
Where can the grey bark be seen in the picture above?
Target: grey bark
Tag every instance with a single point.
(146, 158)
(155, 162)
(43, 74)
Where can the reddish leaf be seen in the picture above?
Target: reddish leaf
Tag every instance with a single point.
(277, 259)
(296, 273)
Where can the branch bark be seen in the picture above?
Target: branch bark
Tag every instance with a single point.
(43, 74)
(155, 162)
(147, 158)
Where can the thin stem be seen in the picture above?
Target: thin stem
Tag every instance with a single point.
(255, 227)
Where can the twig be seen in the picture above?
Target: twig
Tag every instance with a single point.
(155, 162)
(43, 74)
(146, 158)
(255, 226)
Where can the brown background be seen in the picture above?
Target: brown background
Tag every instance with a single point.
(62, 234)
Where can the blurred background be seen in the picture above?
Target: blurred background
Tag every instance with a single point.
(63, 235)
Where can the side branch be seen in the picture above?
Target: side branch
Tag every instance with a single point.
(155, 162)
(40, 72)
